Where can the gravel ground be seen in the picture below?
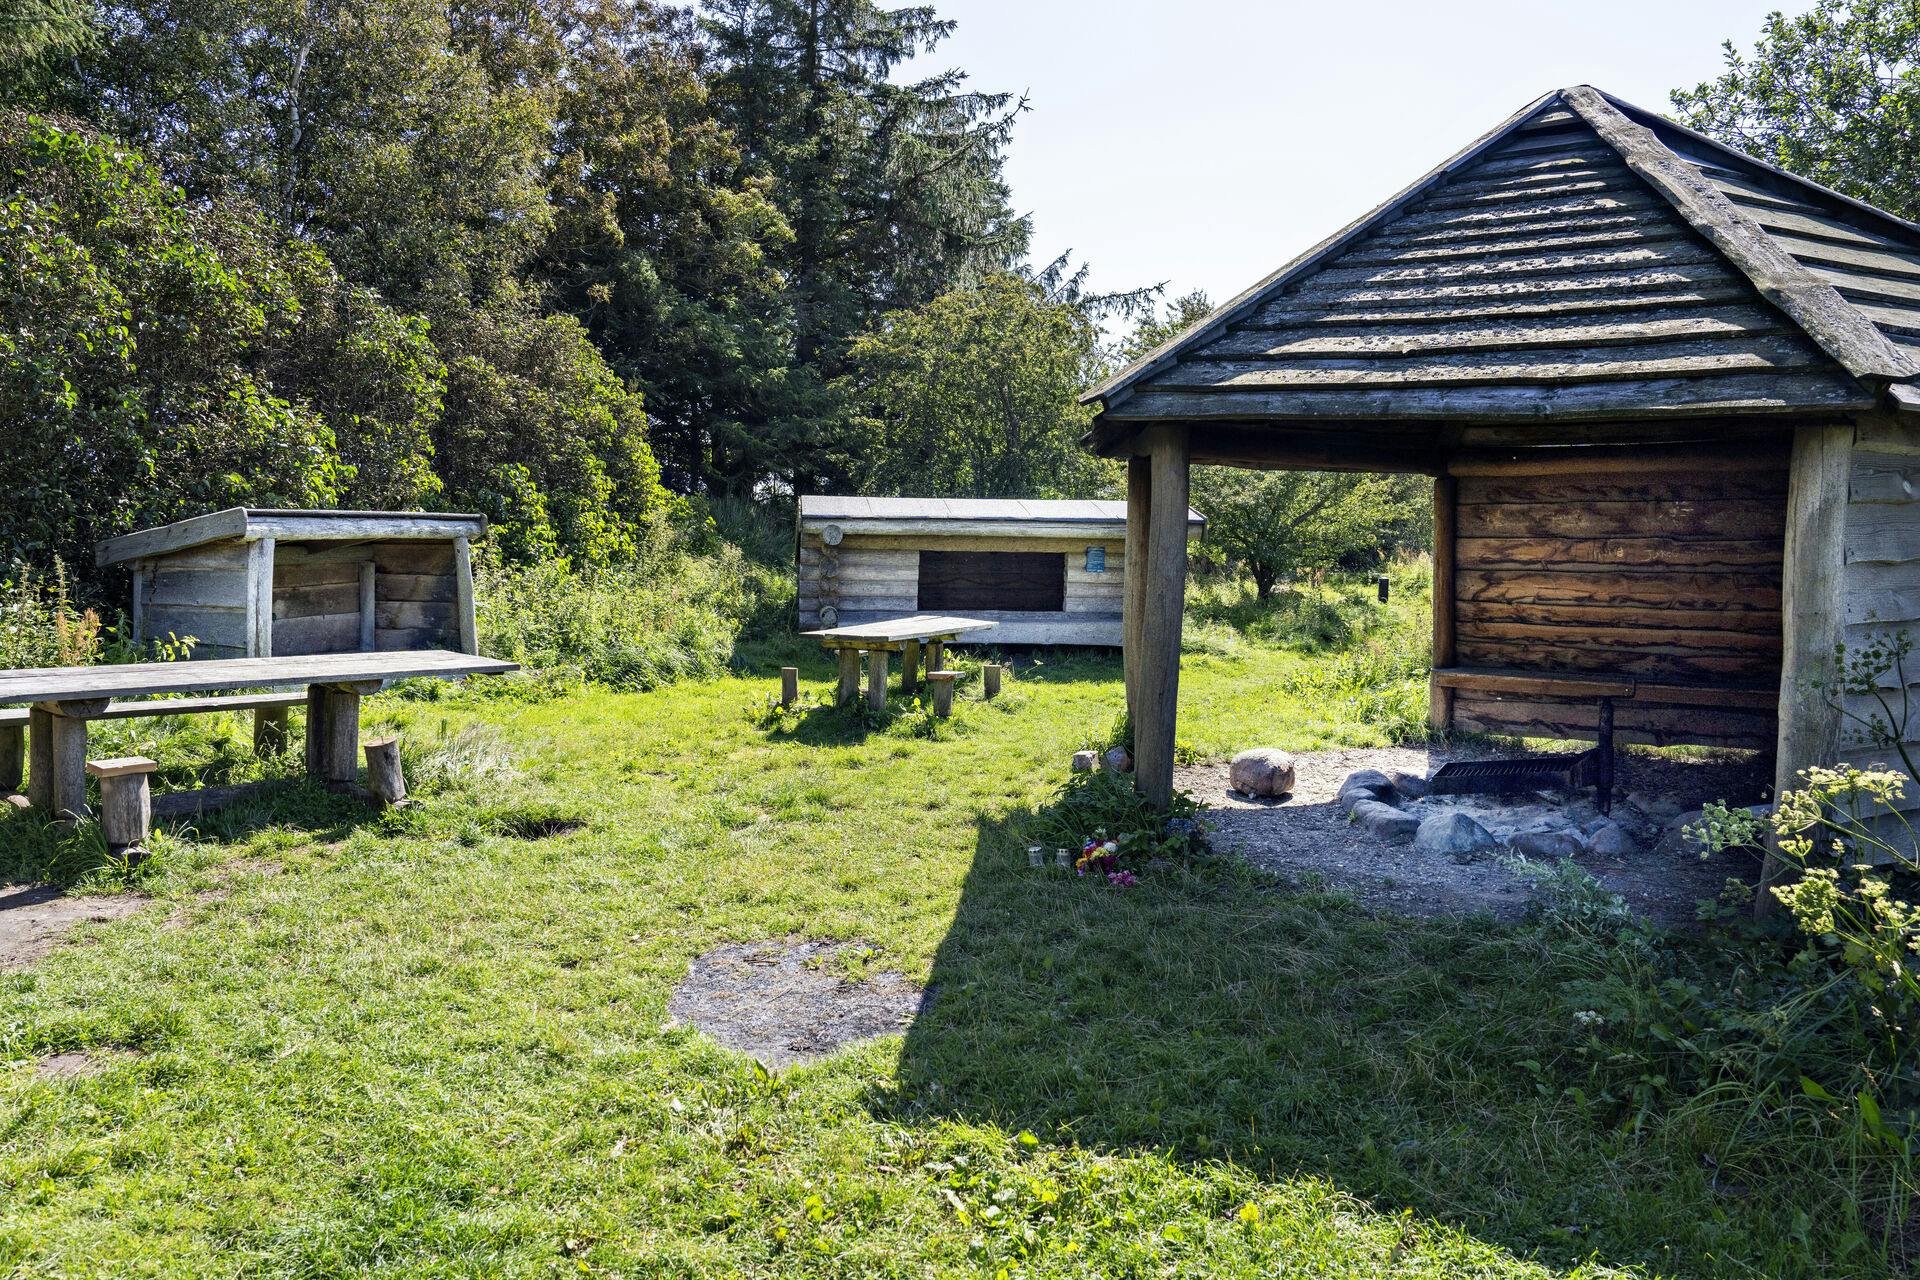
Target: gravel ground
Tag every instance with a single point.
(780, 1002)
(1307, 834)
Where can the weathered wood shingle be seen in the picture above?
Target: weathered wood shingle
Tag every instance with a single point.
(1580, 262)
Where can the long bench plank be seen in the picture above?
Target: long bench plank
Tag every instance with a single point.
(56, 684)
(1513, 681)
(174, 706)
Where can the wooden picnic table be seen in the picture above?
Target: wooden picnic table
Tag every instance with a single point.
(904, 636)
(64, 699)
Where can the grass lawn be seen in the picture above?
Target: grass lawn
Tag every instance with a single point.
(423, 1045)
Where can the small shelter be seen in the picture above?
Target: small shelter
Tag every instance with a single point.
(1045, 572)
(258, 583)
(1669, 396)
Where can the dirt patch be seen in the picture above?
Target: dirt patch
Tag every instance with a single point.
(34, 917)
(782, 1003)
(81, 1063)
(1307, 833)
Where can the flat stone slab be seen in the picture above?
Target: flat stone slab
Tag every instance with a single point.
(783, 1003)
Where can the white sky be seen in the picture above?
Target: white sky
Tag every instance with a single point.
(1205, 142)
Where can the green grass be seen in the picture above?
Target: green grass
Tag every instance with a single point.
(420, 1045)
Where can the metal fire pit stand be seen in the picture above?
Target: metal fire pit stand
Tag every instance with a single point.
(1590, 768)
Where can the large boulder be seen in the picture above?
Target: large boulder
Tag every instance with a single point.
(1385, 822)
(1455, 834)
(1554, 845)
(1411, 785)
(1611, 840)
(1263, 771)
(1365, 784)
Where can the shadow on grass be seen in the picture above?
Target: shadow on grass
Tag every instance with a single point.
(1211, 1014)
(33, 850)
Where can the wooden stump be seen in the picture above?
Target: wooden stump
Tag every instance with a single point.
(849, 678)
(126, 803)
(942, 684)
(789, 686)
(13, 757)
(385, 783)
(877, 679)
(40, 760)
(269, 731)
(990, 680)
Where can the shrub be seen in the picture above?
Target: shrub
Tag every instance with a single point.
(676, 610)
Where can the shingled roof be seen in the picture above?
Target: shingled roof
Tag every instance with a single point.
(1586, 259)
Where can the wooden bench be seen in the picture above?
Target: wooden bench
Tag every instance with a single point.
(1540, 704)
(65, 699)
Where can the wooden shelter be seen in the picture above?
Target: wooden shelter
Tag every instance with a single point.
(258, 583)
(1042, 572)
(1667, 393)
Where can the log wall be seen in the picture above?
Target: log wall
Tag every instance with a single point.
(1881, 587)
(869, 577)
(1669, 578)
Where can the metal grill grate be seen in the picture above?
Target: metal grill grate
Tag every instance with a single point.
(1536, 773)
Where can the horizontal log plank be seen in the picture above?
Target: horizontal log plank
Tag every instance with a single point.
(320, 633)
(1887, 532)
(1651, 638)
(420, 587)
(310, 573)
(1481, 266)
(1646, 725)
(1685, 664)
(1282, 313)
(1618, 233)
(143, 678)
(221, 626)
(193, 588)
(1883, 477)
(1576, 554)
(1659, 617)
(1654, 488)
(1712, 519)
(316, 601)
(1751, 592)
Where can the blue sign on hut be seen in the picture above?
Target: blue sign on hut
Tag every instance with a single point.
(1671, 400)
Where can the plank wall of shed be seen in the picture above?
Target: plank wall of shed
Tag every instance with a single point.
(1670, 577)
(1882, 591)
(872, 577)
(202, 593)
(316, 597)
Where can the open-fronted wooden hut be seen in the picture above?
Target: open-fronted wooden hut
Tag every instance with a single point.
(253, 582)
(1667, 393)
(1045, 572)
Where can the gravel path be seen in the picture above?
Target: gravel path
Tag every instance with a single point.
(1306, 835)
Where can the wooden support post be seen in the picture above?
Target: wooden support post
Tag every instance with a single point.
(140, 603)
(910, 667)
(1812, 609)
(40, 760)
(1446, 502)
(936, 656)
(990, 680)
(385, 784)
(260, 598)
(1134, 570)
(1157, 681)
(789, 686)
(64, 758)
(367, 572)
(463, 596)
(333, 732)
(126, 803)
(13, 757)
(269, 731)
(849, 678)
(877, 679)
(942, 684)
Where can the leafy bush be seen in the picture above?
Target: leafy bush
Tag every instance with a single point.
(674, 611)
